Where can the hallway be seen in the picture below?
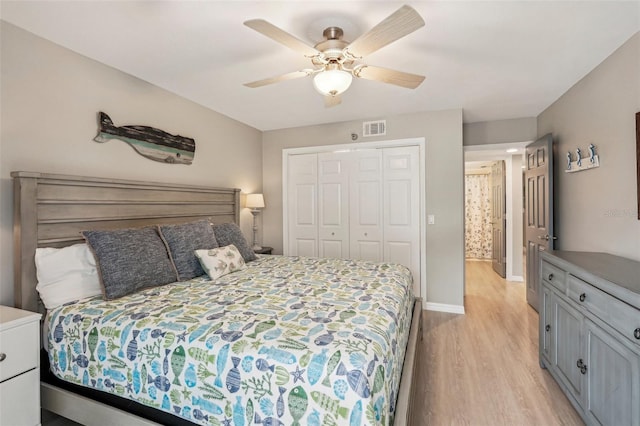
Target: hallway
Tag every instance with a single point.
(482, 368)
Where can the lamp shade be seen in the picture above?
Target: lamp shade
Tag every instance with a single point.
(332, 82)
(255, 201)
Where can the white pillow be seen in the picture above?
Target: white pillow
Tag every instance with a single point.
(66, 274)
(220, 261)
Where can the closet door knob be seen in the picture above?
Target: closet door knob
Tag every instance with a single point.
(636, 333)
(550, 277)
(3, 356)
(548, 327)
(365, 234)
(333, 233)
(582, 297)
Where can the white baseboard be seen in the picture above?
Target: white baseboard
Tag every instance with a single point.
(516, 278)
(442, 307)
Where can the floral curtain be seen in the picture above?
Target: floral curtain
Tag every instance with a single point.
(477, 217)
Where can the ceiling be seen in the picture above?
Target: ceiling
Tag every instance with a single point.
(494, 59)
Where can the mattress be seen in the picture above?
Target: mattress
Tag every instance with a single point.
(288, 340)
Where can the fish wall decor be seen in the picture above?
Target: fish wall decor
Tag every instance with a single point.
(149, 142)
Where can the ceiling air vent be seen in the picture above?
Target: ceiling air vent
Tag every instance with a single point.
(374, 128)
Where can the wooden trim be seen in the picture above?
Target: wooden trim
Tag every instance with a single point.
(52, 210)
(443, 307)
(84, 410)
(405, 400)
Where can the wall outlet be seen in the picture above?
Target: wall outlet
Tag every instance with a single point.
(431, 219)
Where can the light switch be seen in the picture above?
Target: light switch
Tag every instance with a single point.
(431, 219)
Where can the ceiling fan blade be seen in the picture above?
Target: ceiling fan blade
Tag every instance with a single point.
(399, 78)
(402, 22)
(331, 101)
(279, 78)
(282, 37)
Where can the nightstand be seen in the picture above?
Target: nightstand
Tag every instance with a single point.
(264, 250)
(19, 367)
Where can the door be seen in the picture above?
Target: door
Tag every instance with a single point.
(401, 215)
(547, 324)
(538, 210)
(333, 204)
(365, 225)
(302, 192)
(498, 218)
(568, 350)
(613, 379)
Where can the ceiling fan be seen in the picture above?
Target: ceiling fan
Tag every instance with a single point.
(335, 60)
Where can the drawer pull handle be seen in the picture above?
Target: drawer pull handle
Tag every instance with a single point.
(548, 327)
(636, 333)
(583, 368)
(582, 297)
(3, 356)
(550, 277)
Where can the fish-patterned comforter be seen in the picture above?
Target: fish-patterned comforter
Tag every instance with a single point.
(288, 340)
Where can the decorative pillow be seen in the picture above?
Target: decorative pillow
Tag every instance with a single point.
(66, 274)
(220, 261)
(130, 259)
(182, 240)
(230, 233)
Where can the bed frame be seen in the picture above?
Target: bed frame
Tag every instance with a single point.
(51, 210)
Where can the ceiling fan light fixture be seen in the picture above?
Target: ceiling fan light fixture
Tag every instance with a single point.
(332, 82)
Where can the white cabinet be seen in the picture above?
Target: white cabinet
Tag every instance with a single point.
(19, 367)
(359, 204)
(590, 333)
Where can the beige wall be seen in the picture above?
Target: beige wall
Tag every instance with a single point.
(500, 131)
(49, 100)
(596, 210)
(444, 187)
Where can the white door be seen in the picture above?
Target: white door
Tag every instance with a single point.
(401, 200)
(333, 204)
(365, 207)
(302, 192)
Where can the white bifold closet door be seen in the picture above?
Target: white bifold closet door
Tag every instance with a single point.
(302, 192)
(333, 205)
(361, 204)
(366, 206)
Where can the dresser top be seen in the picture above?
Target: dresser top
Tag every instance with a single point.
(620, 271)
(12, 317)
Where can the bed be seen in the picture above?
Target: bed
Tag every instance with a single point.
(284, 341)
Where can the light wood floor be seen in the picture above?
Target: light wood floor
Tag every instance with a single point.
(482, 368)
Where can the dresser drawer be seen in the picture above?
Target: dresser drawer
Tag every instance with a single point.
(620, 316)
(554, 276)
(20, 400)
(20, 348)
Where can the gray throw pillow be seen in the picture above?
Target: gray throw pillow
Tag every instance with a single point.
(129, 260)
(183, 240)
(230, 233)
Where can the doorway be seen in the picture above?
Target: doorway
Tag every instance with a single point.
(478, 162)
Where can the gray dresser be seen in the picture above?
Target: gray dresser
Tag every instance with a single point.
(590, 333)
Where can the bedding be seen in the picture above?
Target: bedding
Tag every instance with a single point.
(182, 240)
(221, 261)
(230, 233)
(66, 274)
(129, 260)
(287, 340)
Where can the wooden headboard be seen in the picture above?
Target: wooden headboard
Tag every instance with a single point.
(51, 210)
